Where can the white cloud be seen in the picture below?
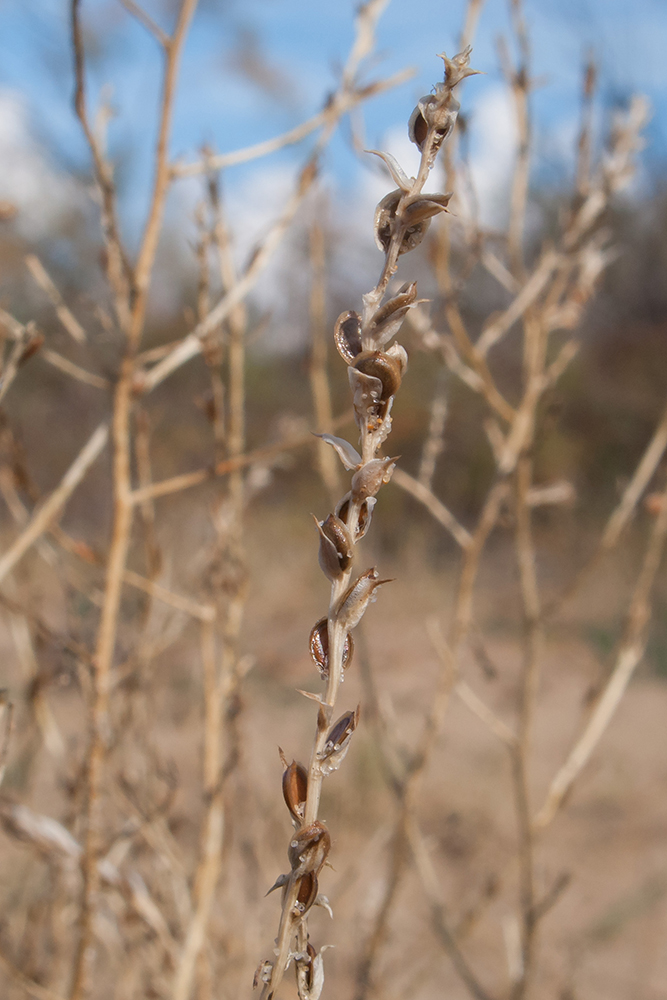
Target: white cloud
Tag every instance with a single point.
(42, 194)
(492, 154)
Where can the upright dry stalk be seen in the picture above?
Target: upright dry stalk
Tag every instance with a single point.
(130, 286)
(375, 373)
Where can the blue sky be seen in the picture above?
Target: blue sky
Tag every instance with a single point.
(300, 44)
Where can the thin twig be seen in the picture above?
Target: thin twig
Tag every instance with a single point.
(48, 510)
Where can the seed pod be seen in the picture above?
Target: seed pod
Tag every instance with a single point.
(306, 893)
(347, 335)
(364, 517)
(356, 598)
(336, 548)
(366, 393)
(338, 742)
(319, 648)
(385, 215)
(433, 119)
(309, 974)
(308, 850)
(295, 789)
(371, 476)
(382, 366)
(386, 322)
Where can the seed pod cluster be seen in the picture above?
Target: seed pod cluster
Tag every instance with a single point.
(376, 367)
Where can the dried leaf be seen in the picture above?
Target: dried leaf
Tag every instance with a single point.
(323, 901)
(279, 883)
(348, 455)
(395, 169)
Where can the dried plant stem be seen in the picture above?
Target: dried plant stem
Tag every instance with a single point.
(208, 870)
(48, 510)
(435, 507)
(186, 480)
(628, 657)
(341, 103)
(406, 787)
(319, 381)
(131, 315)
(45, 282)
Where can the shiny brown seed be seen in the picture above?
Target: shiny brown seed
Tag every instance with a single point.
(319, 648)
(295, 789)
(382, 366)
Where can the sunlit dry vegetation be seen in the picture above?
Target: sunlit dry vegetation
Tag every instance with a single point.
(478, 813)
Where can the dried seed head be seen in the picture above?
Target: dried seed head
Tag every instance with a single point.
(347, 335)
(435, 115)
(306, 893)
(382, 366)
(371, 476)
(308, 850)
(336, 548)
(458, 68)
(356, 598)
(295, 789)
(319, 648)
(432, 120)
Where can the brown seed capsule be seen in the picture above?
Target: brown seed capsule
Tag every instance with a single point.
(319, 648)
(341, 731)
(295, 789)
(336, 547)
(366, 393)
(364, 517)
(347, 335)
(386, 322)
(306, 893)
(382, 366)
(338, 741)
(308, 850)
(385, 214)
(371, 476)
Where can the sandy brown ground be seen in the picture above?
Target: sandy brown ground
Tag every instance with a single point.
(604, 938)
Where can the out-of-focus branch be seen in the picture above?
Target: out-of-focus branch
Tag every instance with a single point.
(338, 105)
(630, 653)
(48, 510)
(46, 283)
